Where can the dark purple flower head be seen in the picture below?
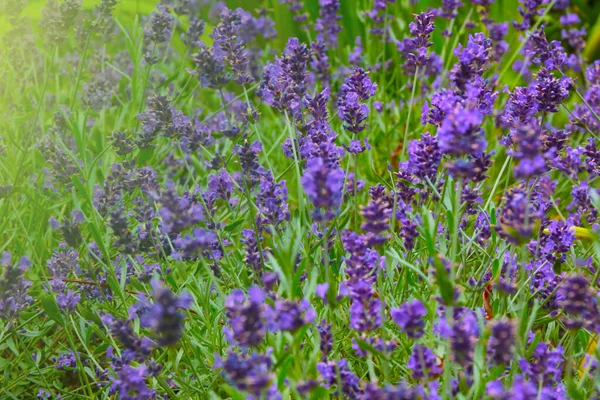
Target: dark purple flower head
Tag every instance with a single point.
(550, 55)
(545, 365)
(327, 24)
(461, 132)
(251, 373)
(520, 108)
(450, 8)
(221, 185)
(323, 186)
(194, 31)
(164, 316)
(199, 242)
(246, 317)
(289, 316)
(360, 83)
(501, 342)
(424, 157)
(13, 286)
(414, 49)
(579, 303)
(210, 68)
(326, 343)
(230, 45)
(526, 139)
(284, 81)
(581, 206)
(178, 213)
(366, 310)
(160, 25)
(66, 360)
(130, 383)
(550, 91)
(442, 103)
(134, 347)
(271, 201)
(409, 317)
(463, 338)
(517, 217)
(68, 300)
(70, 228)
(377, 215)
(423, 363)
(330, 370)
(472, 59)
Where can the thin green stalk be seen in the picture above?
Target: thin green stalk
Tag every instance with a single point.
(410, 104)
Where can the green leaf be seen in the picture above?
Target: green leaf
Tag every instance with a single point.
(51, 308)
(443, 280)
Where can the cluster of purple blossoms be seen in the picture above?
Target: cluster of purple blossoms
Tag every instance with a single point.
(579, 303)
(415, 48)
(501, 342)
(163, 315)
(323, 186)
(357, 88)
(14, 296)
(284, 82)
(410, 318)
(423, 363)
(327, 24)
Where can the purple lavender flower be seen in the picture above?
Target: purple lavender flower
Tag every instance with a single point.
(550, 92)
(194, 31)
(130, 383)
(550, 55)
(210, 68)
(366, 311)
(299, 17)
(200, 242)
(327, 24)
(545, 366)
(579, 303)
(14, 286)
(320, 63)
(463, 338)
(330, 370)
(68, 301)
(135, 347)
(221, 185)
(517, 217)
(527, 151)
(501, 342)
(178, 213)
(472, 60)
(423, 363)
(163, 316)
(409, 317)
(250, 373)
(414, 48)
(323, 186)
(461, 135)
(66, 360)
(284, 82)
(160, 25)
(357, 87)
(246, 317)
(290, 316)
(226, 39)
(70, 228)
(271, 201)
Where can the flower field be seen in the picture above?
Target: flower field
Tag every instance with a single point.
(276, 199)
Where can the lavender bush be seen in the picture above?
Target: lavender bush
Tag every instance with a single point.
(324, 200)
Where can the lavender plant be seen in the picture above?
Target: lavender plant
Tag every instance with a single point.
(299, 200)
